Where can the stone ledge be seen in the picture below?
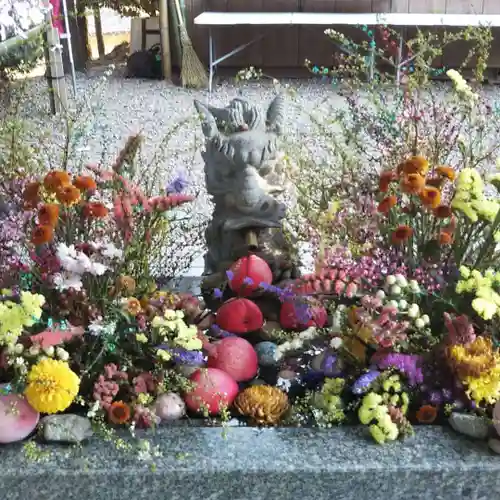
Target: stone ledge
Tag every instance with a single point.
(254, 464)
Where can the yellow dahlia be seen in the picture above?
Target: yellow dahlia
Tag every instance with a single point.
(52, 386)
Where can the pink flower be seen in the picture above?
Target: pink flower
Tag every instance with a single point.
(144, 383)
(460, 329)
(144, 417)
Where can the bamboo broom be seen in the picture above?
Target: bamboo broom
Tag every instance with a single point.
(193, 73)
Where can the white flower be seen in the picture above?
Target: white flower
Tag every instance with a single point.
(64, 281)
(394, 303)
(390, 280)
(403, 304)
(395, 290)
(414, 311)
(19, 361)
(380, 295)
(19, 348)
(34, 350)
(97, 269)
(425, 318)
(94, 409)
(336, 343)
(414, 286)
(49, 351)
(296, 344)
(111, 252)
(283, 384)
(420, 323)
(401, 280)
(62, 354)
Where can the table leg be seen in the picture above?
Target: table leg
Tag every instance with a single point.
(211, 57)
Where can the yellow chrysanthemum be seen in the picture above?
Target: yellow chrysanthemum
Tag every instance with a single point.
(52, 386)
(486, 387)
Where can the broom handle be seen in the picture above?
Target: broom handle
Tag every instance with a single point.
(179, 14)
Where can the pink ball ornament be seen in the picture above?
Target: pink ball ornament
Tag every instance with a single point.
(214, 390)
(17, 418)
(299, 316)
(247, 275)
(236, 357)
(240, 316)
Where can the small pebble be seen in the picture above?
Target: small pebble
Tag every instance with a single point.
(494, 445)
(267, 353)
(66, 428)
(470, 425)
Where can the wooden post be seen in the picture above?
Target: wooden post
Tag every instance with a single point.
(165, 40)
(98, 32)
(55, 72)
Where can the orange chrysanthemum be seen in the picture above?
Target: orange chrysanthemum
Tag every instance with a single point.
(96, 210)
(55, 180)
(446, 172)
(48, 214)
(85, 183)
(412, 183)
(119, 413)
(31, 195)
(415, 165)
(430, 197)
(426, 414)
(385, 180)
(442, 212)
(68, 195)
(401, 234)
(133, 306)
(445, 238)
(42, 234)
(386, 204)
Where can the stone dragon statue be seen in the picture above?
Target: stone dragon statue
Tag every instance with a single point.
(241, 158)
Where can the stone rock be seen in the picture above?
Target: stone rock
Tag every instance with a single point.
(66, 428)
(170, 406)
(235, 356)
(494, 445)
(258, 381)
(267, 353)
(470, 425)
(496, 417)
(213, 391)
(17, 418)
(240, 316)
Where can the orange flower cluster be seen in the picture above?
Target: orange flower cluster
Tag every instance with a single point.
(95, 210)
(58, 184)
(412, 177)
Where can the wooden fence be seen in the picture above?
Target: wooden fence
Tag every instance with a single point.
(288, 47)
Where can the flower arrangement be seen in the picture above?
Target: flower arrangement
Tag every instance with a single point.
(396, 327)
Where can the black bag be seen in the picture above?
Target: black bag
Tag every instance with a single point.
(145, 64)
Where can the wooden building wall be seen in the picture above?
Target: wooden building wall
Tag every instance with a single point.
(288, 47)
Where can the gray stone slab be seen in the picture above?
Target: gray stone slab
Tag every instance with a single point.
(253, 464)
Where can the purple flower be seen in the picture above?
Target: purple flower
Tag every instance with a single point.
(218, 293)
(230, 275)
(248, 281)
(331, 367)
(217, 331)
(184, 357)
(409, 365)
(177, 185)
(363, 383)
